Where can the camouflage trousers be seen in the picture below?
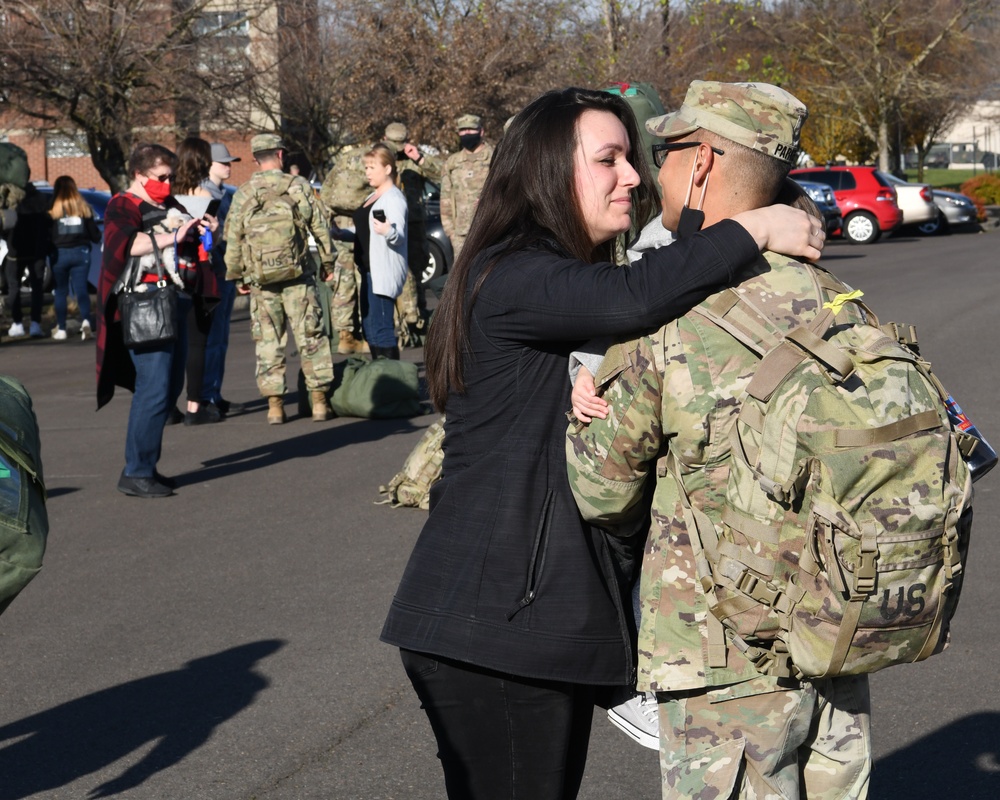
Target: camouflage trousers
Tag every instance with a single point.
(344, 306)
(276, 309)
(811, 742)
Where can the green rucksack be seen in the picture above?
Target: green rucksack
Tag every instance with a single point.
(848, 509)
(411, 486)
(275, 243)
(24, 522)
(13, 165)
(380, 389)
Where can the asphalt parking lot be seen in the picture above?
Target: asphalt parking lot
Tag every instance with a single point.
(223, 643)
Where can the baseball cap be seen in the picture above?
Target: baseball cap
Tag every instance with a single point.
(266, 141)
(220, 153)
(469, 121)
(760, 116)
(395, 132)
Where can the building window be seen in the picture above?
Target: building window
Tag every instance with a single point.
(60, 146)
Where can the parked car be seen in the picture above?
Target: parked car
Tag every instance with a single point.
(867, 199)
(822, 195)
(953, 209)
(914, 200)
(442, 256)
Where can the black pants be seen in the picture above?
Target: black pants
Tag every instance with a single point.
(14, 269)
(199, 324)
(500, 736)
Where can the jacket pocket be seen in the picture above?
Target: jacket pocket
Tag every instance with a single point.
(537, 561)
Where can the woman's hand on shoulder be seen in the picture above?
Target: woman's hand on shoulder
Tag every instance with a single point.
(786, 230)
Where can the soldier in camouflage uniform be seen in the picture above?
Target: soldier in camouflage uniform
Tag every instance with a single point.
(415, 169)
(462, 180)
(672, 398)
(277, 307)
(344, 190)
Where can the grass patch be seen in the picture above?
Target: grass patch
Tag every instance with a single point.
(950, 179)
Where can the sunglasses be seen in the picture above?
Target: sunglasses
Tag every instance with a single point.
(161, 178)
(661, 151)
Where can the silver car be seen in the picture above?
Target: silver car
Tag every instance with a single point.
(953, 209)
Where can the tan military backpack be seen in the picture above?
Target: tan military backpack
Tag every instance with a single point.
(848, 508)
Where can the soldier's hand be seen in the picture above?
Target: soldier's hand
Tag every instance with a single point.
(242, 288)
(412, 152)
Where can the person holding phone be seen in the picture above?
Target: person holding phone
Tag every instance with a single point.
(380, 251)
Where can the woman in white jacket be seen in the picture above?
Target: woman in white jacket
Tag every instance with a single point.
(380, 251)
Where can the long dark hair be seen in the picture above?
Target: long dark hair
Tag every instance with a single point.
(529, 196)
(194, 161)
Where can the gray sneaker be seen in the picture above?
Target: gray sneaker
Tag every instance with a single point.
(637, 718)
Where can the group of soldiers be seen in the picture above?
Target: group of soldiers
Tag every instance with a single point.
(323, 303)
(461, 179)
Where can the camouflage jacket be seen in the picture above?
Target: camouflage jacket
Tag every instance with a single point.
(676, 391)
(462, 180)
(311, 211)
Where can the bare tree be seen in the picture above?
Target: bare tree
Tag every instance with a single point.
(872, 57)
(113, 70)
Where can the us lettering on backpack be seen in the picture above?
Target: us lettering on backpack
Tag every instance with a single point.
(275, 244)
(848, 509)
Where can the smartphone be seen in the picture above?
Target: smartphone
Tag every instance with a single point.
(213, 208)
(379, 214)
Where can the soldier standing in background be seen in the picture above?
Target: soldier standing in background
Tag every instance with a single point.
(415, 169)
(261, 207)
(344, 190)
(462, 180)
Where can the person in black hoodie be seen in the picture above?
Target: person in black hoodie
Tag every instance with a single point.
(30, 245)
(74, 233)
(512, 611)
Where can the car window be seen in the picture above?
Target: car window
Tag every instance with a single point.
(847, 181)
(823, 176)
(883, 179)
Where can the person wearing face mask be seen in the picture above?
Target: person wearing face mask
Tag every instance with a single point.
(462, 179)
(154, 374)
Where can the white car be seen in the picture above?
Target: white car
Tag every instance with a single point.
(915, 200)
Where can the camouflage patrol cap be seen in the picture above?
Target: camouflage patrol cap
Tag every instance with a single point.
(395, 132)
(757, 115)
(469, 121)
(266, 141)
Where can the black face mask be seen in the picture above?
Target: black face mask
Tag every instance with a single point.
(470, 141)
(690, 222)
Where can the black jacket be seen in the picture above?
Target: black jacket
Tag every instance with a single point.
(31, 239)
(505, 573)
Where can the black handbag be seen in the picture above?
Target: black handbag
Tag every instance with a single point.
(149, 315)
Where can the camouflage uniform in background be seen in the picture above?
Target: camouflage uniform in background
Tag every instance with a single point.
(462, 181)
(676, 390)
(278, 307)
(344, 190)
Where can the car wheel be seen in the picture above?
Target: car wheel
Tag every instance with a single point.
(933, 227)
(861, 228)
(435, 263)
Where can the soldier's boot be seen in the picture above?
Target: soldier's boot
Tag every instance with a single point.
(320, 409)
(348, 344)
(275, 410)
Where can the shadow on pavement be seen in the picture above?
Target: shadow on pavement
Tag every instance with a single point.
(959, 760)
(177, 710)
(317, 442)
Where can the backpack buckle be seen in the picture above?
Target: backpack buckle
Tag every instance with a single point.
(865, 575)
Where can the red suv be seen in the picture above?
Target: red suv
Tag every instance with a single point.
(866, 198)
